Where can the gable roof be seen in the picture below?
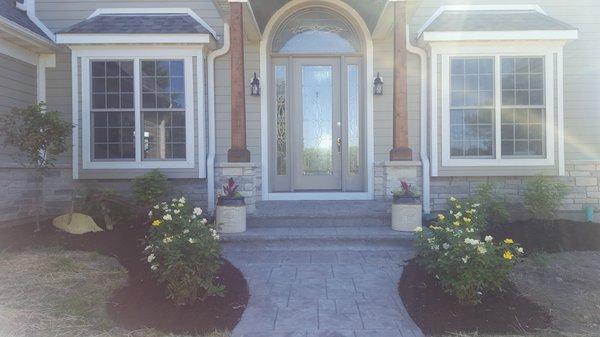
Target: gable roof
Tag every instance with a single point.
(176, 23)
(495, 20)
(9, 11)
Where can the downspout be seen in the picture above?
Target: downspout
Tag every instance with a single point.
(212, 147)
(425, 164)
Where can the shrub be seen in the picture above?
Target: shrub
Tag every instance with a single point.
(150, 188)
(40, 137)
(467, 266)
(183, 251)
(543, 196)
(492, 209)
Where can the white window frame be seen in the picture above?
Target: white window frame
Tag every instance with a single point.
(547, 50)
(137, 54)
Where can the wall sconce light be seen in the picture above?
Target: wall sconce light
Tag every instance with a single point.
(255, 86)
(378, 85)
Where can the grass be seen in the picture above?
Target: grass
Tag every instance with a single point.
(53, 292)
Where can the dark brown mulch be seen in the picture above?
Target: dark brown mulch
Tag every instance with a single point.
(436, 312)
(142, 303)
(551, 236)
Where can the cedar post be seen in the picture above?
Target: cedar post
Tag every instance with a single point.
(400, 151)
(238, 153)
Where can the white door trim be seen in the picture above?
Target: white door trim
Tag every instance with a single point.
(264, 107)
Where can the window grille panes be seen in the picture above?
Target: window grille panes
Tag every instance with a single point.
(112, 110)
(163, 109)
(472, 107)
(281, 118)
(523, 106)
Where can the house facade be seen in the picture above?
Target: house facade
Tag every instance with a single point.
(308, 99)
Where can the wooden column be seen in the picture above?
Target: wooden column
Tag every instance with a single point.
(401, 151)
(238, 153)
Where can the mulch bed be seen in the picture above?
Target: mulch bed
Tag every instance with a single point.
(142, 303)
(551, 236)
(436, 312)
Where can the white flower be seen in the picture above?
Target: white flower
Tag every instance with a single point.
(176, 211)
(167, 217)
(430, 240)
(472, 241)
(197, 211)
(435, 247)
(488, 238)
(156, 207)
(154, 267)
(182, 200)
(150, 214)
(419, 229)
(445, 246)
(476, 205)
(520, 250)
(214, 233)
(148, 248)
(204, 221)
(458, 215)
(193, 216)
(167, 239)
(481, 250)
(452, 199)
(190, 240)
(174, 200)
(179, 205)
(185, 231)
(466, 259)
(151, 258)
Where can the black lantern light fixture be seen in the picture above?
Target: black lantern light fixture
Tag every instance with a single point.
(378, 85)
(255, 86)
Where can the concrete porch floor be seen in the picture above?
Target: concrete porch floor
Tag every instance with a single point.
(336, 280)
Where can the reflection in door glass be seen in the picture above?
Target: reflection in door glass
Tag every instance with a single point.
(353, 121)
(317, 120)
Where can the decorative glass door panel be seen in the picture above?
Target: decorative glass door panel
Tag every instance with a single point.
(318, 122)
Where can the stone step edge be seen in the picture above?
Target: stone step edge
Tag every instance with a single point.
(320, 216)
(316, 237)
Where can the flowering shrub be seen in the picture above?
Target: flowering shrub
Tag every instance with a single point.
(183, 250)
(466, 265)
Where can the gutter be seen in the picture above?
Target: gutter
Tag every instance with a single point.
(212, 147)
(423, 113)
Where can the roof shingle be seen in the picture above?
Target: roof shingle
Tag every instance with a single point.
(138, 24)
(9, 10)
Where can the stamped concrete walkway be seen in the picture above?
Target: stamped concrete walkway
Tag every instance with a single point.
(339, 293)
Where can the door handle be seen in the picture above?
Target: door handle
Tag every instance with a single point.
(339, 144)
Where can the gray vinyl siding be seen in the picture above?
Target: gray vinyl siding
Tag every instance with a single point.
(581, 69)
(223, 103)
(383, 60)
(17, 89)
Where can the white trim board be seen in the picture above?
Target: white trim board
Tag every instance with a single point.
(500, 35)
(264, 99)
(66, 38)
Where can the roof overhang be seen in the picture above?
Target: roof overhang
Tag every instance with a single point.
(14, 33)
(114, 36)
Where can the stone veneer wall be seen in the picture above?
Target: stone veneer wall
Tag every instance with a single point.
(18, 203)
(582, 178)
(246, 175)
(389, 175)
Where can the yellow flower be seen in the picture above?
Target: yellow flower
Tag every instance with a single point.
(156, 223)
(441, 217)
(467, 220)
(509, 241)
(456, 223)
(507, 255)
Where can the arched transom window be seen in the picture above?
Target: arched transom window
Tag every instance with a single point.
(316, 30)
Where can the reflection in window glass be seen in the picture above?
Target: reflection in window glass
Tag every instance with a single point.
(523, 106)
(112, 114)
(471, 107)
(163, 109)
(353, 121)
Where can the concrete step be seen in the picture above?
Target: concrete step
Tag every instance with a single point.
(322, 208)
(314, 221)
(323, 238)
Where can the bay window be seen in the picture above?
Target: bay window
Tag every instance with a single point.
(138, 112)
(497, 109)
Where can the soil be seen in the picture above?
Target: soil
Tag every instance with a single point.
(436, 312)
(142, 303)
(551, 236)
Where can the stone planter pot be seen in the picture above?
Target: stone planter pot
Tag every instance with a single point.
(231, 215)
(407, 213)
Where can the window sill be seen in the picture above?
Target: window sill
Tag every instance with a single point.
(492, 162)
(138, 165)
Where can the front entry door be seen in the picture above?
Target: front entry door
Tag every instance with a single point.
(316, 126)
